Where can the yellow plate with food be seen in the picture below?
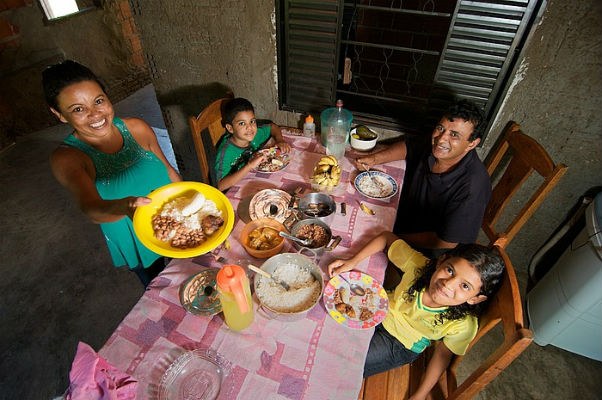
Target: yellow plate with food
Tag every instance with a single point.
(185, 219)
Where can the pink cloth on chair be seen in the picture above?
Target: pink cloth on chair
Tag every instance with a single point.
(93, 378)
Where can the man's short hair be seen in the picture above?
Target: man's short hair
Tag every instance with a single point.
(470, 112)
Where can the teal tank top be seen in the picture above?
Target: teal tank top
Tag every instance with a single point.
(131, 171)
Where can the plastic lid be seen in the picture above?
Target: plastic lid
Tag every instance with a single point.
(231, 279)
(309, 119)
(339, 103)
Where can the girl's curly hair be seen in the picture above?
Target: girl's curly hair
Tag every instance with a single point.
(486, 260)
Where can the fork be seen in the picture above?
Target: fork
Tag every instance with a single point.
(372, 178)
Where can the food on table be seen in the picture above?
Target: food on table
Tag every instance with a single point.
(264, 238)
(317, 209)
(364, 133)
(275, 160)
(346, 303)
(327, 171)
(367, 210)
(365, 314)
(316, 233)
(303, 293)
(374, 185)
(185, 222)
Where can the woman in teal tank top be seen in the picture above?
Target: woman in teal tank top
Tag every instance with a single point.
(108, 164)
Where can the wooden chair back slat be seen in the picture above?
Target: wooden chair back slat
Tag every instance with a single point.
(206, 129)
(526, 156)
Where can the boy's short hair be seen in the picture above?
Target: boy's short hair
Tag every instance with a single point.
(468, 111)
(57, 77)
(235, 106)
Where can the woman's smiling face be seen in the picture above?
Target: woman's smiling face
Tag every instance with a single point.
(86, 107)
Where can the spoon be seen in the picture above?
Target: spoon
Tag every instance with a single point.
(303, 242)
(269, 276)
(354, 287)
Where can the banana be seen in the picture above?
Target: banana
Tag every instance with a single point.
(328, 160)
(334, 160)
(324, 167)
(335, 171)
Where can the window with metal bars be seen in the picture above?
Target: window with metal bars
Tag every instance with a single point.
(398, 63)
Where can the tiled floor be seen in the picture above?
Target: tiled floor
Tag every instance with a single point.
(59, 287)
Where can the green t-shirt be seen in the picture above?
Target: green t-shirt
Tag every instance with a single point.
(230, 158)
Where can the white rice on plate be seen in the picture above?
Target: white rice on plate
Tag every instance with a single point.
(381, 188)
(174, 209)
(304, 290)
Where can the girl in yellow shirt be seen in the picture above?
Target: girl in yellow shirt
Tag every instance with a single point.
(437, 299)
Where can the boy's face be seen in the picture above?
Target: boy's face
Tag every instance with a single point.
(243, 128)
(454, 282)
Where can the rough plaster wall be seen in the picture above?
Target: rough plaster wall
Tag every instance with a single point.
(197, 51)
(93, 38)
(556, 97)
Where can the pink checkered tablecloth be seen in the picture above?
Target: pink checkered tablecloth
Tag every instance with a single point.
(311, 358)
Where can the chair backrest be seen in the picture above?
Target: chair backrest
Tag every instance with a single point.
(505, 307)
(206, 129)
(525, 156)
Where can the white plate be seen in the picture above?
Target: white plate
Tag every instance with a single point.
(197, 374)
(386, 187)
(268, 200)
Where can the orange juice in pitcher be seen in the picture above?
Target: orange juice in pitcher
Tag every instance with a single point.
(235, 295)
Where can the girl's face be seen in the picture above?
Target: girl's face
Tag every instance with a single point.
(454, 282)
(86, 107)
(243, 128)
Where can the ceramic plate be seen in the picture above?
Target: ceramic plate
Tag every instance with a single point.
(353, 311)
(143, 216)
(197, 374)
(270, 203)
(198, 294)
(277, 160)
(384, 187)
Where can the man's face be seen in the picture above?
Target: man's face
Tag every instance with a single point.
(451, 139)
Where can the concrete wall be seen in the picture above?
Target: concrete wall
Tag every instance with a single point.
(199, 50)
(104, 39)
(556, 96)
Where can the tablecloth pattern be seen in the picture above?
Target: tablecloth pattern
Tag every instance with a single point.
(308, 358)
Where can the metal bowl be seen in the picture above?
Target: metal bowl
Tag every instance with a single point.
(318, 205)
(287, 259)
(316, 251)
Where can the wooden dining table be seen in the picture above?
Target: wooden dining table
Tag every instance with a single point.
(312, 357)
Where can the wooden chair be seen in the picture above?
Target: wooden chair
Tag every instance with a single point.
(505, 307)
(206, 129)
(526, 155)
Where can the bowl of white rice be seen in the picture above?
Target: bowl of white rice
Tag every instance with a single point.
(304, 278)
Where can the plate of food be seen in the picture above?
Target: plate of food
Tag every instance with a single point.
(185, 219)
(352, 310)
(276, 160)
(270, 203)
(376, 185)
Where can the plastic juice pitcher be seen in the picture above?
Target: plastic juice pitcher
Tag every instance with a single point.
(235, 295)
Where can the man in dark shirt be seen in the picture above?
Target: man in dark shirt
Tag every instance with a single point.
(446, 186)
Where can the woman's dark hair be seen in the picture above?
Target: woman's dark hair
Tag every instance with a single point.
(57, 77)
(470, 112)
(486, 260)
(235, 106)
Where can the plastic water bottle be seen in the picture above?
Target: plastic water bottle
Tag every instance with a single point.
(338, 131)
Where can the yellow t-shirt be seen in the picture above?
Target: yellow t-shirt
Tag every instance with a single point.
(413, 324)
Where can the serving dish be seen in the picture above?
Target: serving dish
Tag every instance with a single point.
(363, 142)
(376, 185)
(143, 226)
(278, 241)
(270, 203)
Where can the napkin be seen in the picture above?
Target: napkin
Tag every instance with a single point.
(94, 378)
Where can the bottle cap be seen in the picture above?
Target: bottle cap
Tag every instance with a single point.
(339, 103)
(230, 279)
(309, 119)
